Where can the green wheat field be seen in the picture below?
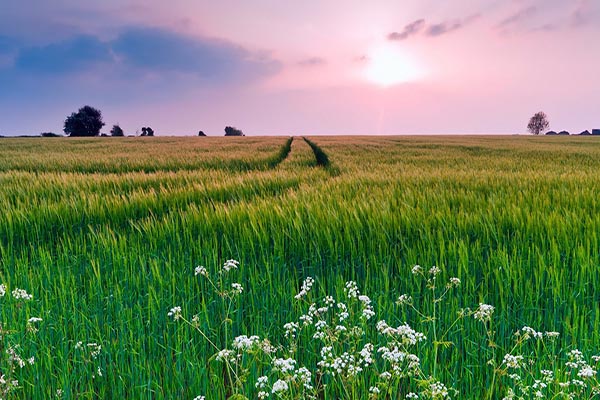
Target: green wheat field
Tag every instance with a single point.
(107, 235)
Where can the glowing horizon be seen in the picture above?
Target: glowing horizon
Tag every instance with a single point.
(322, 67)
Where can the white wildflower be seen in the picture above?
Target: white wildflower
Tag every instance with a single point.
(531, 333)
(368, 312)
(454, 282)
(284, 365)
(404, 299)
(417, 269)
(2, 290)
(261, 382)
(484, 312)
(586, 372)
(280, 386)
(351, 289)
(225, 355)
(21, 294)
(230, 264)
(175, 312)
(434, 271)
(306, 286)
(512, 361)
(438, 390)
(244, 342)
(200, 270)
(290, 329)
(237, 288)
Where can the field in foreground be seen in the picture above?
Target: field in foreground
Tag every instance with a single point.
(106, 234)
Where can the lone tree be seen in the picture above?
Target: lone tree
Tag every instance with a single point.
(117, 131)
(201, 133)
(85, 122)
(231, 131)
(538, 123)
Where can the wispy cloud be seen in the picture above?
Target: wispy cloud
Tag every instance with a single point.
(432, 30)
(409, 30)
(312, 62)
(584, 13)
(519, 17)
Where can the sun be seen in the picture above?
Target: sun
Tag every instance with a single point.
(388, 66)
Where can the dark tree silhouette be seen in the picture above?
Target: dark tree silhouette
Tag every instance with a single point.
(50, 134)
(231, 131)
(117, 131)
(147, 131)
(85, 122)
(538, 123)
(201, 133)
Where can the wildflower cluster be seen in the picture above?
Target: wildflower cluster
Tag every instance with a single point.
(89, 354)
(336, 346)
(12, 356)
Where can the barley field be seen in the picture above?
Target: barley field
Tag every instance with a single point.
(327, 267)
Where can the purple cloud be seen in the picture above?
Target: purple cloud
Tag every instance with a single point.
(431, 30)
(450, 26)
(409, 30)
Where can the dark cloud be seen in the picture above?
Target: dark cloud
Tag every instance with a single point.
(519, 17)
(409, 30)
(147, 50)
(312, 62)
(73, 55)
(7, 44)
(449, 26)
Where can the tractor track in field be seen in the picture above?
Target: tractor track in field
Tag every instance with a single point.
(321, 158)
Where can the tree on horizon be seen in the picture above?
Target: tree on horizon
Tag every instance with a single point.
(85, 122)
(538, 123)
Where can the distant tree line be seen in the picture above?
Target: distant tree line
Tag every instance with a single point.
(87, 122)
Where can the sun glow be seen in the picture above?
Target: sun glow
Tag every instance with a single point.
(388, 66)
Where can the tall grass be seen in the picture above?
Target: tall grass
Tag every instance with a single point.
(107, 234)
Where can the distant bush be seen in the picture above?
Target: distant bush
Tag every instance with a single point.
(201, 133)
(231, 131)
(50, 134)
(147, 131)
(117, 131)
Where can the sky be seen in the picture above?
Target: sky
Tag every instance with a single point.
(281, 67)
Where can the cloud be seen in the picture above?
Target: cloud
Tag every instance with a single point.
(312, 62)
(522, 15)
(138, 50)
(409, 30)
(431, 30)
(584, 13)
(73, 55)
(450, 26)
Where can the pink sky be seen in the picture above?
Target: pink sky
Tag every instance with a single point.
(309, 67)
